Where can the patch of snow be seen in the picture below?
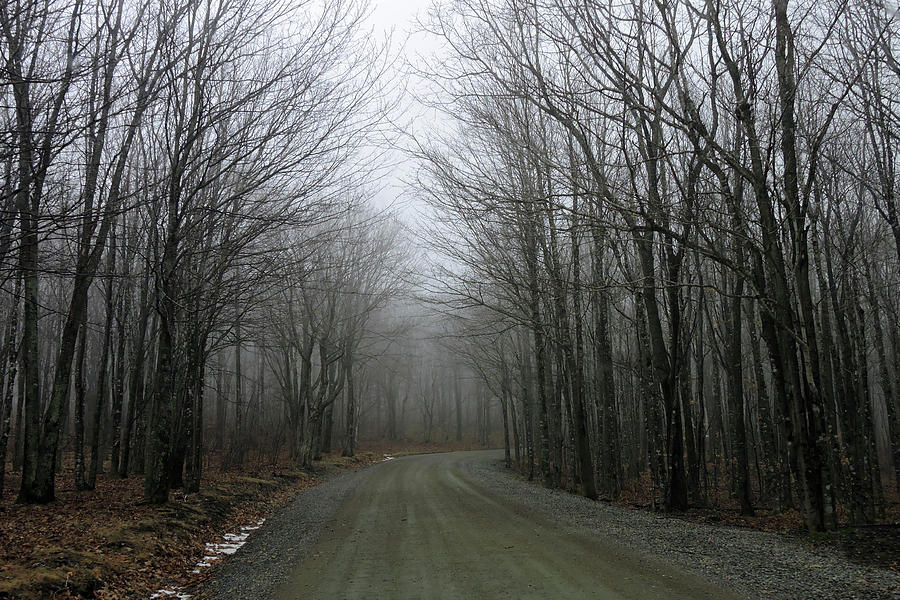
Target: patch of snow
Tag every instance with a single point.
(213, 552)
(171, 594)
(387, 457)
(253, 527)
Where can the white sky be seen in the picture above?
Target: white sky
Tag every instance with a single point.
(396, 14)
(398, 20)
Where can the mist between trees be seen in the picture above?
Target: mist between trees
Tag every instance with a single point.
(194, 271)
(664, 242)
(186, 225)
(676, 231)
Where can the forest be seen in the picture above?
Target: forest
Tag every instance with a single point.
(650, 247)
(194, 270)
(674, 238)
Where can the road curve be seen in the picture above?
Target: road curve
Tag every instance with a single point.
(417, 528)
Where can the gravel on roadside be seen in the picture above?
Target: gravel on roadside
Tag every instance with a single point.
(755, 564)
(272, 552)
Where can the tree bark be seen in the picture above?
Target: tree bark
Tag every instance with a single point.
(103, 374)
(734, 368)
(80, 481)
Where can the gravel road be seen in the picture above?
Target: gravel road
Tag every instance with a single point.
(460, 526)
(274, 550)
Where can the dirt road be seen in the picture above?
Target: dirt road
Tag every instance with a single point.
(416, 527)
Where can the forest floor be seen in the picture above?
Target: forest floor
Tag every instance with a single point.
(107, 544)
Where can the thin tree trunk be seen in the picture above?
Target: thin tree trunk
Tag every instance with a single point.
(238, 441)
(350, 443)
(773, 465)
(80, 481)
(884, 378)
(103, 374)
(457, 397)
(30, 398)
(610, 450)
(8, 381)
(123, 312)
(137, 402)
(192, 482)
(734, 352)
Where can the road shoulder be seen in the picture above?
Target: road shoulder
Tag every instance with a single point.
(755, 564)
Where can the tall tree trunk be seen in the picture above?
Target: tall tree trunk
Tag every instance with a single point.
(457, 398)
(885, 381)
(238, 441)
(19, 442)
(162, 417)
(703, 425)
(352, 409)
(806, 409)
(537, 330)
(103, 374)
(505, 401)
(195, 460)
(327, 430)
(220, 410)
(517, 442)
(575, 362)
(773, 464)
(734, 368)
(28, 267)
(675, 482)
(137, 403)
(612, 475)
(8, 380)
(123, 312)
(527, 412)
(80, 481)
